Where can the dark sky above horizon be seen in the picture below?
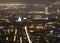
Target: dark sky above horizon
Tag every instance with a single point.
(28, 1)
(45, 2)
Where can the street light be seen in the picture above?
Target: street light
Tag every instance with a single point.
(27, 34)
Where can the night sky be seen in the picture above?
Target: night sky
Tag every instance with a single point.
(40, 2)
(28, 1)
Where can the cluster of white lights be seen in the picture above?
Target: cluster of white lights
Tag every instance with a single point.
(20, 19)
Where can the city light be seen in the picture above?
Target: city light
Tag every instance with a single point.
(25, 18)
(11, 4)
(19, 19)
(6, 38)
(36, 12)
(51, 31)
(15, 38)
(20, 39)
(29, 21)
(15, 31)
(27, 34)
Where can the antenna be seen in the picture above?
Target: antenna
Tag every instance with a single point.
(46, 10)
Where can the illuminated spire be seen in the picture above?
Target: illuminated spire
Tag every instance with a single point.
(19, 19)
